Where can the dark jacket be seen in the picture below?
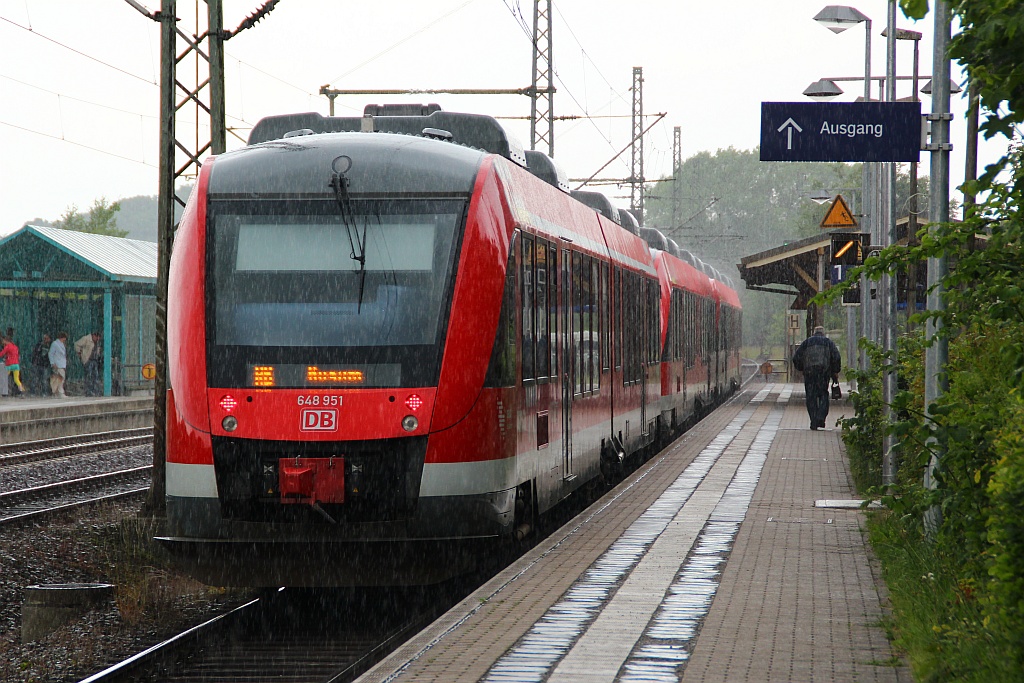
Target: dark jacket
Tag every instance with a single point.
(818, 355)
(41, 355)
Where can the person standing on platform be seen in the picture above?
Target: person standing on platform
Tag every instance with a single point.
(58, 357)
(9, 353)
(819, 359)
(38, 367)
(88, 350)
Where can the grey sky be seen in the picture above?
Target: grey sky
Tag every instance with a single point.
(79, 94)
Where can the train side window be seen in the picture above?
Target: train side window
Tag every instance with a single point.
(625, 325)
(593, 325)
(541, 294)
(605, 320)
(670, 338)
(653, 320)
(527, 308)
(616, 301)
(577, 320)
(501, 372)
(679, 326)
(633, 312)
(552, 313)
(656, 325)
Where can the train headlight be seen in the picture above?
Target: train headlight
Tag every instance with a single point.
(229, 423)
(410, 423)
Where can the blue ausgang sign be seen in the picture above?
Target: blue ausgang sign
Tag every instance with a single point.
(840, 131)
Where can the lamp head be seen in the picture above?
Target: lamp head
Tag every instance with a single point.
(903, 34)
(953, 87)
(823, 89)
(838, 18)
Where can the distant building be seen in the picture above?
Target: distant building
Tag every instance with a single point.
(53, 279)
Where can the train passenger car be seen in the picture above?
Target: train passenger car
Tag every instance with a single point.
(389, 349)
(685, 378)
(731, 335)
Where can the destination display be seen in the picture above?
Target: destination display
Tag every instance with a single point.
(840, 131)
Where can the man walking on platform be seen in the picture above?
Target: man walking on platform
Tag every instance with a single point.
(58, 365)
(818, 358)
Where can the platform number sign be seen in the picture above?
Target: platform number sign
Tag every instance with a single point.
(847, 253)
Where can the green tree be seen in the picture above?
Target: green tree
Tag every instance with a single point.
(100, 220)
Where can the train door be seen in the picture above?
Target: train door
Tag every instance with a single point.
(567, 362)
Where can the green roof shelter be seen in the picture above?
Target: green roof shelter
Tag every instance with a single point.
(53, 280)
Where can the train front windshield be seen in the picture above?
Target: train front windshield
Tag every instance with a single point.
(362, 299)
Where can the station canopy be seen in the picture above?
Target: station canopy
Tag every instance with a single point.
(791, 269)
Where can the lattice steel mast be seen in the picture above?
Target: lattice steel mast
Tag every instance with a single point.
(542, 92)
(636, 174)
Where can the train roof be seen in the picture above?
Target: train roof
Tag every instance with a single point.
(304, 164)
(472, 130)
(654, 238)
(598, 202)
(628, 221)
(545, 168)
(684, 275)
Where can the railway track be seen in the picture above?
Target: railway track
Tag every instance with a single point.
(57, 474)
(50, 498)
(289, 636)
(50, 449)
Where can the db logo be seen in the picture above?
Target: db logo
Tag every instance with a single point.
(320, 420)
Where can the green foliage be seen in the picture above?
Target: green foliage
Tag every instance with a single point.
(864, 430)
(915, 9)
(1006, 533)
(989, 43)
(937, 618)
(101, 219)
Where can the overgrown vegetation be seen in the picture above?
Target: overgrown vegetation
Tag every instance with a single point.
(953, 554)
(148, 590)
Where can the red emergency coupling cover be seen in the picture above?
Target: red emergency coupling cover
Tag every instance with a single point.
(311, 480)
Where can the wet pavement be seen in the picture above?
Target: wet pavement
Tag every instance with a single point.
(712, 562)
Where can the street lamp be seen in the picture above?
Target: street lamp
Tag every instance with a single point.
(838, 18)
(823, 89)
(953, 87)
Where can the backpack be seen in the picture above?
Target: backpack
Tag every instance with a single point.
(816, 359)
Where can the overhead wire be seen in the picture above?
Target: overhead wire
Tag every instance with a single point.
(76, 99)
(400, 42)
(517, 14)
(77, 144)
(78, 52)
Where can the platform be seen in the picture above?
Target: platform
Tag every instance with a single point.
(44, 417)
(710, 563)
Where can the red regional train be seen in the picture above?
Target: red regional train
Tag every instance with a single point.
(395, 341)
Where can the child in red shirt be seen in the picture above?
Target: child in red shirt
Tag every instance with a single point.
(9, 354)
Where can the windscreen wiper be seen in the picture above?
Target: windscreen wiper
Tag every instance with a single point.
(357, 243)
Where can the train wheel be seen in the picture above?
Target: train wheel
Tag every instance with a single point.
(525, 512)
(613, 458)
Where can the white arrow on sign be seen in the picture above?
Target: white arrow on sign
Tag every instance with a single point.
(788, 126)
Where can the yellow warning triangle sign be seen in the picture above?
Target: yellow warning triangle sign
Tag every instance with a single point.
(838, 215)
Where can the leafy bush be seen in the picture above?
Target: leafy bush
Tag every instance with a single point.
(1006, 534)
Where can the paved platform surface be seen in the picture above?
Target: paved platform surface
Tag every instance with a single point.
(42, 417)
(710, 563)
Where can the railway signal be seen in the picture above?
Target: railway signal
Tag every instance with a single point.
(847, 253)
